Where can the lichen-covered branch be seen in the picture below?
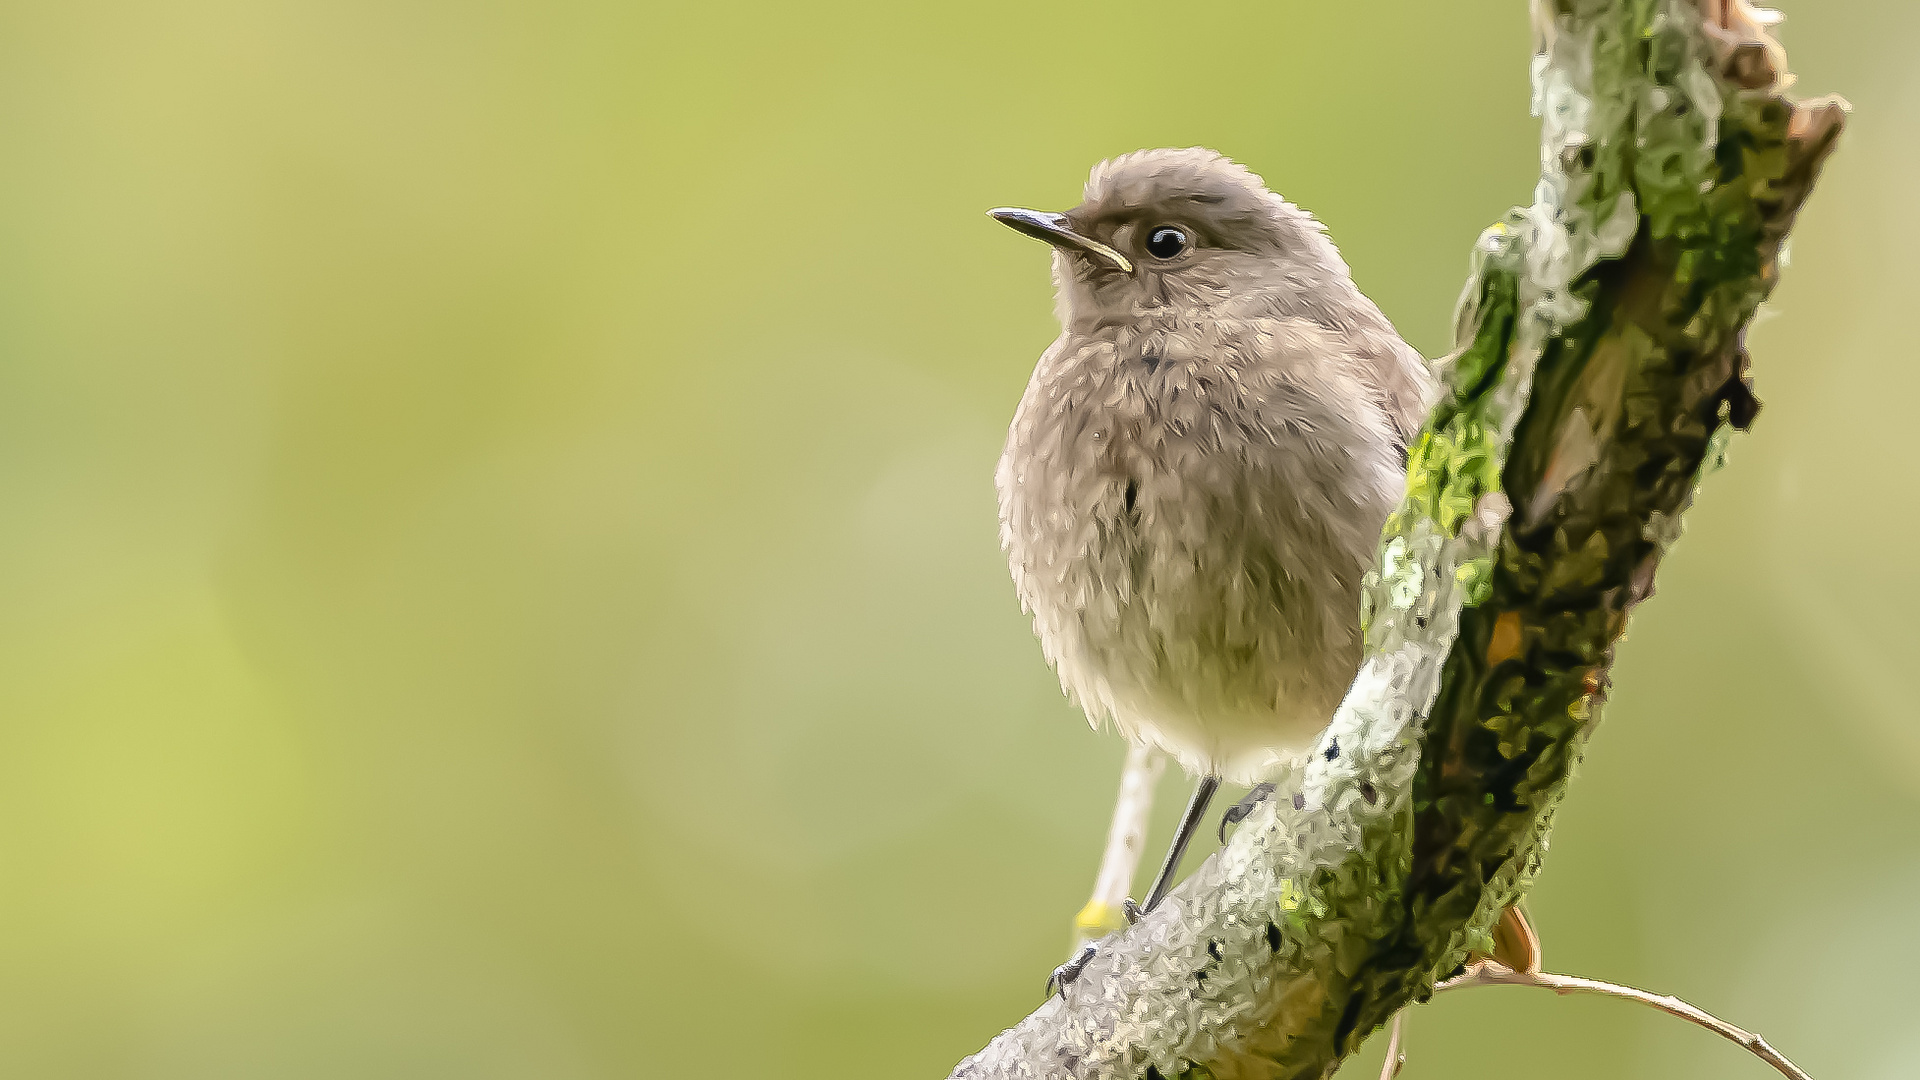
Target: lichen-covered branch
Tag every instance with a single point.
(1600, 364)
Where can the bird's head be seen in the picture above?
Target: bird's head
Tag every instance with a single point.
(1165, 233)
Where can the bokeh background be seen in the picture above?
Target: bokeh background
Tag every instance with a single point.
(498, 572)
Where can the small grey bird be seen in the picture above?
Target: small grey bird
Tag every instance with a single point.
(1198, 473)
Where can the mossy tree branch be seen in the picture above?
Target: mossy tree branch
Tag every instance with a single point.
(1599, 368)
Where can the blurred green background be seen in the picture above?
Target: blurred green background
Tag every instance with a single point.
(498, 572)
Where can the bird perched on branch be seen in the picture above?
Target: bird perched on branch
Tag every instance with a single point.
(1197, 476)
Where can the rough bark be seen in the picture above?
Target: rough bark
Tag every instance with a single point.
(1600, 365)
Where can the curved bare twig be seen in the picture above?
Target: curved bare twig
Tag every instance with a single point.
(1490, 973)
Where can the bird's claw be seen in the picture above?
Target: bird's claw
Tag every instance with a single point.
(1238, 811)
(1132, 910)
(1069, 971)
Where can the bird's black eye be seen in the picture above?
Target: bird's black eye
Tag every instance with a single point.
(1166, 242)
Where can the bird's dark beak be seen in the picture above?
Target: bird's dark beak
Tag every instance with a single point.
(1056, 230)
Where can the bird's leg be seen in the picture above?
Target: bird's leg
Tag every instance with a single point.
(1189, 824)
(1102, 914)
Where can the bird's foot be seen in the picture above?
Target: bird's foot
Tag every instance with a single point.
(1069, 971)
(1238, 812)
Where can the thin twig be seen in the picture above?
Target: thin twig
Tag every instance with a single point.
(1125, 839)
(1489, 973)
(1396, 1060)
